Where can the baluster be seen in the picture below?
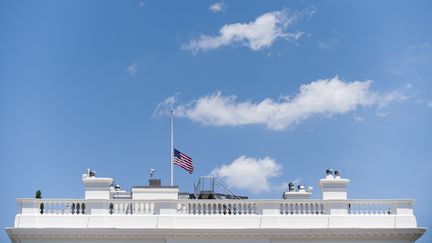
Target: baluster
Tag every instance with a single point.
(47, 208)
(152, 206)
(116, 208)
(209, 208)
(141, 208)
(185, 208)
(146, 208)
(66, 209)
(119, 207)
(122, 208)
(392, 209)
(53, 205)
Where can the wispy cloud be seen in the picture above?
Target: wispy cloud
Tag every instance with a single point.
(359, 118)
(429, 104)
(420, 46)
(252, 174)
(132, 69)
(165, 107)
(257, 35)
(218, 7)
(325, 97)
(332, 42)
(142, 4)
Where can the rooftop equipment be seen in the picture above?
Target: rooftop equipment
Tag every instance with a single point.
(206, 189)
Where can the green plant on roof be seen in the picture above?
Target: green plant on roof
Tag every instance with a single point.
(38, 194)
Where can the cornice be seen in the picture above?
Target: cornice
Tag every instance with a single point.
(223, 234)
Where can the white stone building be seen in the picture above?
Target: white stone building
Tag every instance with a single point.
(157, 213)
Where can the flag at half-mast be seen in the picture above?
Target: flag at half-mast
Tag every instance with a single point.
(183, 161)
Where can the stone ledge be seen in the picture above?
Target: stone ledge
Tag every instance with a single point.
(17, 234)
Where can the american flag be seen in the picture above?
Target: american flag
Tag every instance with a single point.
(183, 161)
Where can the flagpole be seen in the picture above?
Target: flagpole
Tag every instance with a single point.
(172, 148)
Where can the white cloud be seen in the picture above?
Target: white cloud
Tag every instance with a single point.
(322, 97)
(165, 107)
(248, 173)
(218, 7)
(359, 118)
(132, 69)
(423, 45)
(258, 34)
(429, 104)
(141, 4)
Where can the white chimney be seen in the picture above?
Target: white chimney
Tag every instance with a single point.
(333, 187)
(96, 188)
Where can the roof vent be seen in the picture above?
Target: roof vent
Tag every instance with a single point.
(155, 183)
(337, 174)
(329, 174)
(291, 187)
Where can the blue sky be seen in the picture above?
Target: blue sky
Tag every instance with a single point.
(288, 88)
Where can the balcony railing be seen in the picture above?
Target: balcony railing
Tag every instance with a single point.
(75, 207)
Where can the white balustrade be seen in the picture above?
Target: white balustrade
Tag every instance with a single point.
(52, 207)
(362, 207)
(217, 207)
(131, 207)
(213, 207)
(302, 208)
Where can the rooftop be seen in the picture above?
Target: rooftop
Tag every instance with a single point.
(156, 208)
